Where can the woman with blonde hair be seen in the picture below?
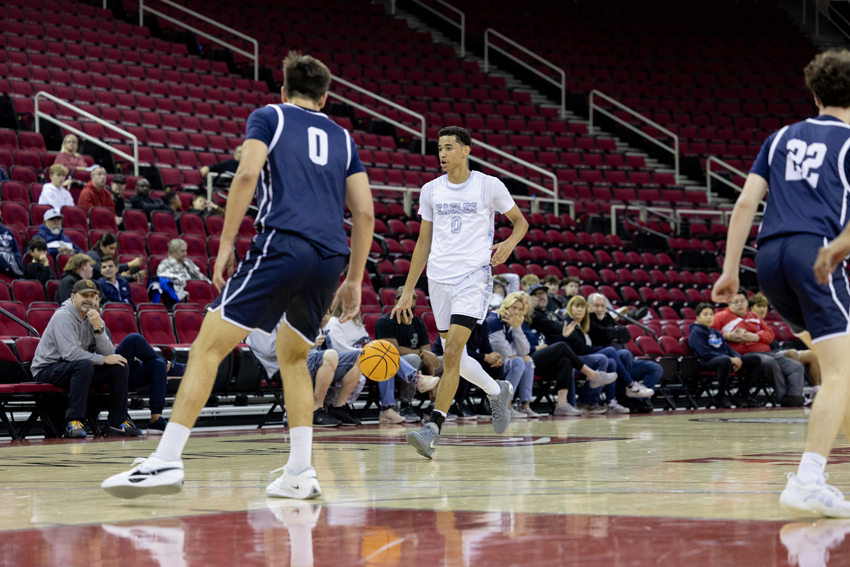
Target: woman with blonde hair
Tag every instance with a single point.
(507, 338)
(579, 319)
(69, 157)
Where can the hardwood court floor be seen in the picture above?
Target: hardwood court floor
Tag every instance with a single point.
(687, 488)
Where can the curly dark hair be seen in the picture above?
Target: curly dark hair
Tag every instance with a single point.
(461, 134)
(828, 76)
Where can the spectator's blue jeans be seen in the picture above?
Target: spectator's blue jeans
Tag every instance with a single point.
(406, 373)
(150, 368)
(601, 363)
(521, 376)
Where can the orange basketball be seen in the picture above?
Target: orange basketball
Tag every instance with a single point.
(379, 361)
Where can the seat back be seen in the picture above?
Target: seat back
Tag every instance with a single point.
(156, 327)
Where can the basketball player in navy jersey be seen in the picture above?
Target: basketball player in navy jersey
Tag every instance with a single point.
(806, 166)
(305, 169)
(456, 240)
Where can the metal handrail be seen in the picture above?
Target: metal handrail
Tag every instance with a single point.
(255, 56)
(461, 26)
(826, 12)
(553, 192)
(24, 324)
(375, 113)
(489, 45)
(709, 175)
(674, 149)
(632, 320)
(41, 115)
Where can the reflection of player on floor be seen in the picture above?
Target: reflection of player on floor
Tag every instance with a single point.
(806, 167)
(308, 170)
(455, 239)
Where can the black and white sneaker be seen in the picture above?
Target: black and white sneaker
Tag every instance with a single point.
(148, 476)
(343, 414)
(321, 418)
(126, 429)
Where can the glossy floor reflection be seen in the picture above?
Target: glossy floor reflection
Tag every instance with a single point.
(686, 488)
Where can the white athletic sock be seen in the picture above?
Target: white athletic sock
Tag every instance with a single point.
(811, 469)
(471, 370)
(173, 440)
(300, 446)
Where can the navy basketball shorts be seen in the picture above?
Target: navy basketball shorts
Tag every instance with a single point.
(786, 276)
(282, 275)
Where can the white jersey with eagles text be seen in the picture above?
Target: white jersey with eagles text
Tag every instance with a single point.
(462, 215)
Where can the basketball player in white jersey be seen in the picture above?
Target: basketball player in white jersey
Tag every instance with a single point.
(455, 239)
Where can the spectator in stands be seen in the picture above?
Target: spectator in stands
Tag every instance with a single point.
(200, 206)
(335, 375)
(507, 338)
(555, 301)
(76, 353)
(117, 188)
(69, 157)
(759, 305)
(51, 232)
(144, 202)
(748, 333)
(499, 292)
(569, 286)
(95, 193)
(10, 255)
(527, 281)
(179, 269)
(172, 200)
(39, 268)
(148, 368)
(410, 337)
(56, 193)
(604, 331)
(224, 171)
(115, 288)
(79, 267)
(478, 347)
(107, 245)
(715, 355)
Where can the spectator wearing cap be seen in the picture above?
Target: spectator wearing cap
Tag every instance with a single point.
(117, 187)
(179, 269)
(39, 268)
(79, 267)
(95, 193)
(51, 232)
(10, 254)
(56, 193)
(76, 353)
(69, 156)
(144, 202)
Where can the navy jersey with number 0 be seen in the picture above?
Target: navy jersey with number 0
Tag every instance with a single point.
(806, 167)
(301, 188)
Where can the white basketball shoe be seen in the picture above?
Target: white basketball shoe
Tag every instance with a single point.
(819, 498)
(148, 476)
(302, 486)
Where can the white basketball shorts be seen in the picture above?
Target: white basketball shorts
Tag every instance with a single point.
(470, 297)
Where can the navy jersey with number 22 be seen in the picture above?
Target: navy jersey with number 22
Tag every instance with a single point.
(806, 167)
(301, 188)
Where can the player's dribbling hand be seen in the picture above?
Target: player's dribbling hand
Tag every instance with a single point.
(503, 251)
(830, 257)
(725, 288)
(403, 310)
(224, 261)
(349, 294)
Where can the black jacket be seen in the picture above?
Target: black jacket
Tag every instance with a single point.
(605, 331)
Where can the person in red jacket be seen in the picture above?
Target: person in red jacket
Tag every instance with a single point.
(96, 193)
(747, 333)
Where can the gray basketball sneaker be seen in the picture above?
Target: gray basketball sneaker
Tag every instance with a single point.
(500, 404)
(425, 440)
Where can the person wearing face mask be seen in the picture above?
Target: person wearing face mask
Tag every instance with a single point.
(76, 353)
(79, 267)
(144, 202)
(56, 193)
(51, 232)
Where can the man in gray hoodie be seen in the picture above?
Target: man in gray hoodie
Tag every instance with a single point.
(76, 353)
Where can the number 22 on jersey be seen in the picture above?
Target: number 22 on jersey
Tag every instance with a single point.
(802, 160)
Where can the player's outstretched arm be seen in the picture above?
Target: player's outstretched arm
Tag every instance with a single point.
(503, 249)
(740, 224)
(358, 197)
(254, 155)
(831, 256)
(417, 264)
